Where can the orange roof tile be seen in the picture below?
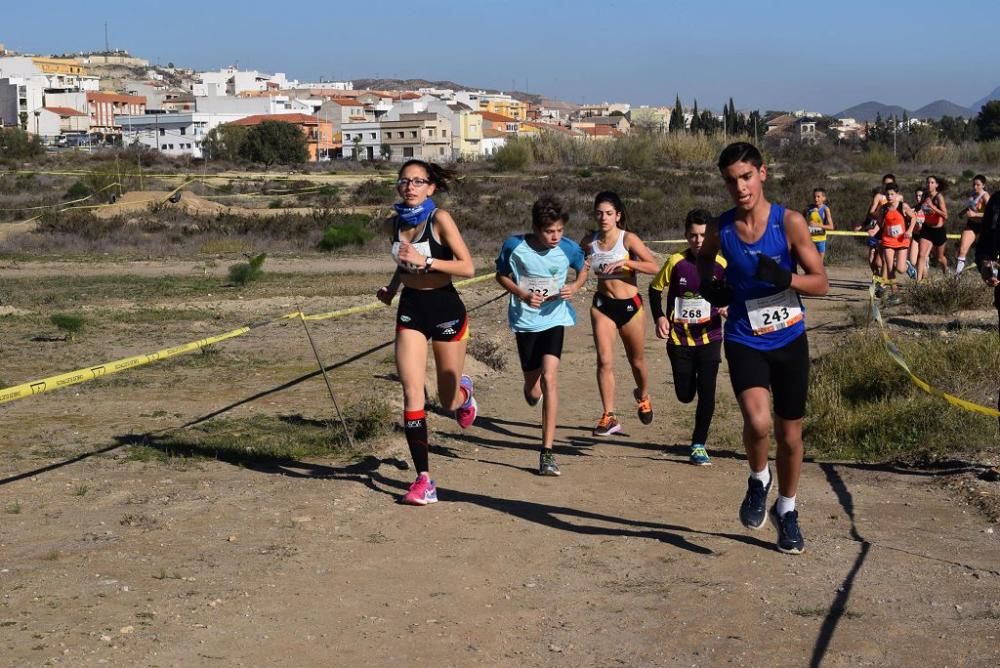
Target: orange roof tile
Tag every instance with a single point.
(286, 118)
(95, 96)
(65, 111)
(496, 118)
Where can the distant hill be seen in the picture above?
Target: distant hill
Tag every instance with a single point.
(940, 108)
(414, 84)
(978, 104)
(867, 111)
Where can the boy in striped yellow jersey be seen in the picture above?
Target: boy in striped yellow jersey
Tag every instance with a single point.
(692, 328)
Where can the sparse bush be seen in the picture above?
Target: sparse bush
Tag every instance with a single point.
(946, 295)
(246, 272)
(373, 191)
(69, 323)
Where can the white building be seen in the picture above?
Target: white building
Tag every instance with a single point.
(326, 86)
(362, 140)
(172, 134)
(20, 97)
(244, 106)
(231, 81)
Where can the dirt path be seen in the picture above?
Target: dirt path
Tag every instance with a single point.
(631, 558)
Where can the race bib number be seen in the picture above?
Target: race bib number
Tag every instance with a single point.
(600, 261)
(895, 230)
(770, 314)
(692, 310)
(546, 286)
(815, 231)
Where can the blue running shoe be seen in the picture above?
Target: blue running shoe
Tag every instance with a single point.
(911, 271)
(698, 456)
(753, 510)
(790, 540)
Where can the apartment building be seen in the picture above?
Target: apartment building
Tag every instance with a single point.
(103, 107)
(425, 136)
(466, 124)
(497, 103)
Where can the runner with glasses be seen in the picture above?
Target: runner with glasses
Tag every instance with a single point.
(429, 251)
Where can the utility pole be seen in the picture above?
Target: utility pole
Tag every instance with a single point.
(107, 43)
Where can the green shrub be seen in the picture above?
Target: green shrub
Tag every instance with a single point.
(245, 272)
(514, 156)
(878, 159)
(353, 230)
(78, 190)
(275, 203)
(69, 323)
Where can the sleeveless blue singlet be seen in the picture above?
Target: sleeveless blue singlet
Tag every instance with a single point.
(742, 265)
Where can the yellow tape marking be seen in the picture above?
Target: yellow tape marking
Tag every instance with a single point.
(897, 357)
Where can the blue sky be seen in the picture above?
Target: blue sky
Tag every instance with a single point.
(763, 53)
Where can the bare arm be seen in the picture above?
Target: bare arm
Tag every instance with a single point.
(828, 219)
(569, 289)
(641, 259)
(388, 291)
(877, 201)
(814, 282)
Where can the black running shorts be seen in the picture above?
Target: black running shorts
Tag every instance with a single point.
(938, 236)
(785, 372)
(533, 346)
(438, 314)
(621, 311)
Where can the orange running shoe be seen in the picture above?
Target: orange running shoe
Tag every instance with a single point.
(607, 425)
(644, 407)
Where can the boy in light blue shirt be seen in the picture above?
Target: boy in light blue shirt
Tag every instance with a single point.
(534, 269)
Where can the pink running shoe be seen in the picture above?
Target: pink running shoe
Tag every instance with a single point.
(422, 492)
(467, 412)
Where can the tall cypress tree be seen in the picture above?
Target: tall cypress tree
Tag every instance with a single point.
(695, 119)
(677, 117)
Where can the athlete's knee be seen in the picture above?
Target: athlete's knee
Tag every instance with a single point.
(757, 426)
(685, 393)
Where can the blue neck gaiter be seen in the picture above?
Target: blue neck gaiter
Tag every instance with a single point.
(413, 216)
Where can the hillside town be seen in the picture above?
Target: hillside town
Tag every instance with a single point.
(114, 99)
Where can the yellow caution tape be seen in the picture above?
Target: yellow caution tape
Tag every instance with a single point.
(60, 381)
(897, 357)
(90, 373)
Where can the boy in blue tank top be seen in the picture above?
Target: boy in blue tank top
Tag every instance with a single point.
(765, 333)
